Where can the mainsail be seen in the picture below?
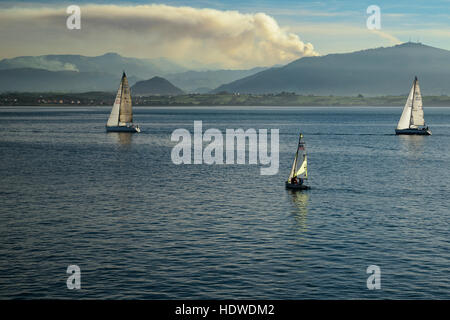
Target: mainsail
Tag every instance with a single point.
(126, 111)
(417, 108)
(122, 112)
(412, 115)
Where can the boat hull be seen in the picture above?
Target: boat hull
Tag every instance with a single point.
(296, 186)
(123, 129)
(421, 132)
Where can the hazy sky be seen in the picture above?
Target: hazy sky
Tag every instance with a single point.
(230, 34)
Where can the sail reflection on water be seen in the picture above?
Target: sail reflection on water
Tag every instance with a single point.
(412, 145)
(121, 138)
(124, 138)
(300, 213)
(413, 155)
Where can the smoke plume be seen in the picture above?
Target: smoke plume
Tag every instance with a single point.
(223, 38)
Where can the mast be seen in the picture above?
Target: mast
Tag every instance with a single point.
(121, 93)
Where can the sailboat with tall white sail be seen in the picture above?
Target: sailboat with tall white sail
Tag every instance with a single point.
(121, 117)
(412, 120)
(298, 175)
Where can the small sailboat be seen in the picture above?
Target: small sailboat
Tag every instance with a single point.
(298, 176)
(121, 117)
(412, 120)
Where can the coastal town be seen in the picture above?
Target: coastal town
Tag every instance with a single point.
(218, 99)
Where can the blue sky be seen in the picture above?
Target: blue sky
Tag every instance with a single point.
(330, 26)
(424, 21)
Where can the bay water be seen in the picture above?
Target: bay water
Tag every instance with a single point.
(141, 227)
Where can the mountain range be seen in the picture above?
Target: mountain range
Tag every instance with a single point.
(380, 71)
(206, 81)
(77, 73)
(40, 80)
(371, 72)
(111, 63)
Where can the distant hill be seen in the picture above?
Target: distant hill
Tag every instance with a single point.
(380, 71)
(39, 80)
(155, 86)
(111, 63)
(205, 81)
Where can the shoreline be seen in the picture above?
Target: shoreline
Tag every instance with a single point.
(98, 99)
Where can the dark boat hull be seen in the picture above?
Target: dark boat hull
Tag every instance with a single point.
(296, 186)
(421, 132)
(123, 129)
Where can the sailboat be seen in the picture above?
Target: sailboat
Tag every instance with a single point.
(412, 120)
(121, 117)
(298, 175)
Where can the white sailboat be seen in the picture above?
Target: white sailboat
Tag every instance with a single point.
(297, 176)
(412, 120)
(121, 117)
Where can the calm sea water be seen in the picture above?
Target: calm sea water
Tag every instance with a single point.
(141, 227)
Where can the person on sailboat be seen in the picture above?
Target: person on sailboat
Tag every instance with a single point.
(299, 181)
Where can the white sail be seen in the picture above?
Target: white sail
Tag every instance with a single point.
(303, 168)
(113, 119)
(294, 167)
(405, 118)
(417, 108)
(126, 110)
